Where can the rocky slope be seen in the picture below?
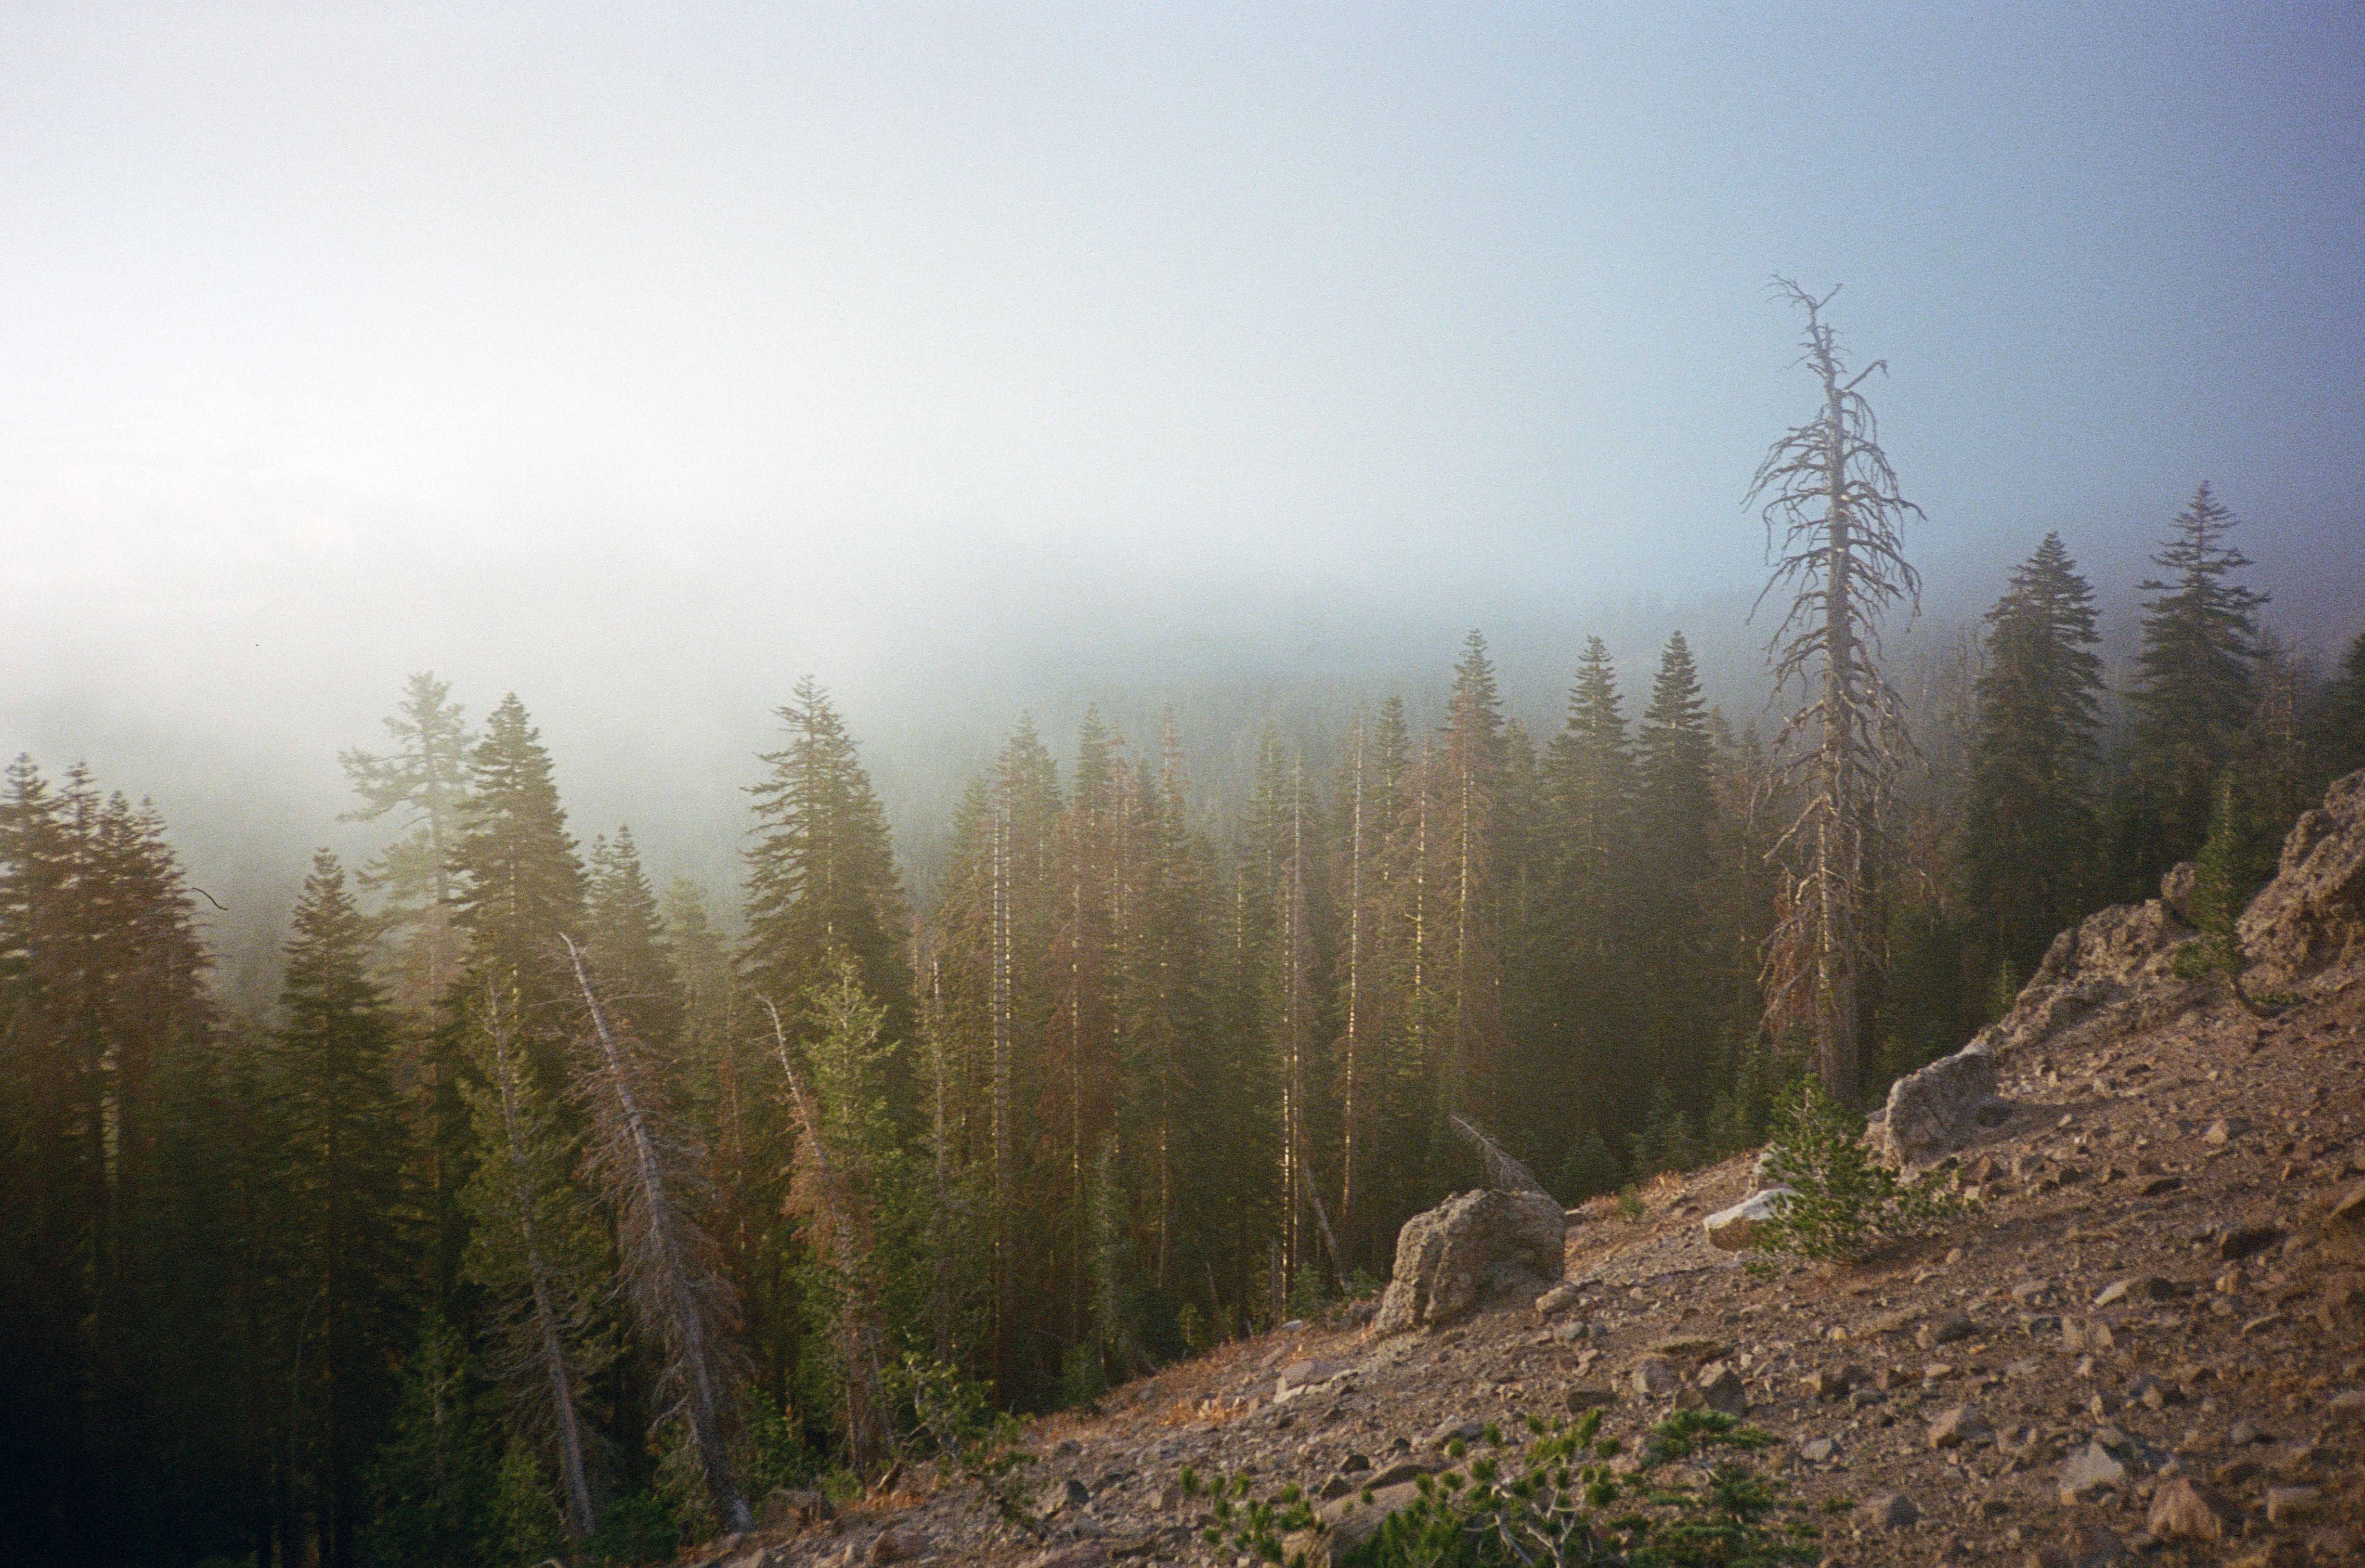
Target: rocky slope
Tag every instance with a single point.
(2148, 1338)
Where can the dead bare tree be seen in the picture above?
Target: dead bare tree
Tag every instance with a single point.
(1503, 1174)
(1833, 517)
(671, 1275)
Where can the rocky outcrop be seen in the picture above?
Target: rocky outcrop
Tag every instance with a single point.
(2113, 970)
(1935, 1111)
(1471, 1246)
(2310, 918)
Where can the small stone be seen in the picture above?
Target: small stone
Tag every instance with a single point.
(1354, 1464)
(1963, 1424)
(2346, 1408)
(2143, 1288)
(1068, 1449)
(2094, 1469)
(2180, 1508)
(899, 1544)
(2247, 1240)
(2344, 1227)
(1820, 1452)
(1075, 1494)
(1655, 1378)
(1945, 1330)
(2291, 1505)
(1561, 1298)
(1581, 1398)
(2265, 1323)
(1719, 1385)
(2235, 1471)
(2219, 1132)
(1454, 1427)
(1894, 1510)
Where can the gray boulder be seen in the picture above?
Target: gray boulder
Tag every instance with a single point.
(1453, 1257)
(1934, 1112)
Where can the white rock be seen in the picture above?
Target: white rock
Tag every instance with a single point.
(1735, 1229)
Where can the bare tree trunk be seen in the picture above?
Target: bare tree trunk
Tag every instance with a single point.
(670, 1277)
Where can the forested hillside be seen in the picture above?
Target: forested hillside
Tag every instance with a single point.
(552, 1213)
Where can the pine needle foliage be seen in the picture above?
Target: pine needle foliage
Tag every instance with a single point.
(1843, 1204)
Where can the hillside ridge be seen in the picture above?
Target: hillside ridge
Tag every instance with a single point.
(2147, 1338)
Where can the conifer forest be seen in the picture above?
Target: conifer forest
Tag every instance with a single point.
(550, 1212)
(742, 743)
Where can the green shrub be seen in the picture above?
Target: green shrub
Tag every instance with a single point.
(1843, 1203)
(953, 1420)
(633, 1528)
(1562, 1505)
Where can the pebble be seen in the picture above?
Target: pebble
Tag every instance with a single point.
(1894, 1510)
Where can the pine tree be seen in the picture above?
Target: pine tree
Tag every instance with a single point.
(821, 877)
(535, 1250)
(345, 1172)
(1833, 499)
(2194, 691)
(433, 1486)
(626, 941)
(2030, 823)
(424, 780)
(1673, 862)
(2345, 712)
(518, 886)
(854, 1196)
(1592, 783)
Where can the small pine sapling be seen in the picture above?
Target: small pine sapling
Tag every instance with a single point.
(1842, 1203)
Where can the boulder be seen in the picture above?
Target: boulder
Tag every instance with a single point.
(1934, 1112)
(1449, 1257)
(2176, 887)
(1735, 1229)
(2310, 918)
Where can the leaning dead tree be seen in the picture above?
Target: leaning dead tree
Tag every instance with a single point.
(671, 1276)
(1833, 514)
(526, 1249)
(1504, 1174)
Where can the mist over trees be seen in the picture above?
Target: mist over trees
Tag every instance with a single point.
(552, 1213)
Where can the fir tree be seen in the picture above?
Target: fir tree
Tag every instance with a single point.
(2194, 691)
(627, 943)
(821, 877)
(345, 1169)
(535, 1250)
(424, 782)
(2030, 825)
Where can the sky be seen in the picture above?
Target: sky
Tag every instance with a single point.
(989, 358)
